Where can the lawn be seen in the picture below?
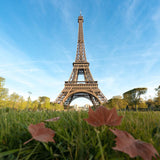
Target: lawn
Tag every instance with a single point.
(75, 139)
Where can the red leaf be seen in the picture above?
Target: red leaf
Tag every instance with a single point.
(103, 116)
(52, 119)
(40, 133)
(133, 147)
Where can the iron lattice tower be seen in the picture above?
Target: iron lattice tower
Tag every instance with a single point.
(88, 88)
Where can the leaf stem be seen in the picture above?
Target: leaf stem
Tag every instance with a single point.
(28, 141)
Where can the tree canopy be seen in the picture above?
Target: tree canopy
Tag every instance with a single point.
(3, 91)
(133, 96)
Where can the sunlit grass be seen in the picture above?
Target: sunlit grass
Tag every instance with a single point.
(75, 139)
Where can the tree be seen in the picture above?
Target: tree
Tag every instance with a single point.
(35, 105)
(29, 103)
(150, 103)
(157, 98)
(117, 102)
(44, 102)
(3, 92)
(158, 91)
(57, 106)
(133, 96)
(21, 103)
(14, 99)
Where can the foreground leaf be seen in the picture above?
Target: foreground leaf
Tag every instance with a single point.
(133, 147)
(103, 116)
(52, 119)
(40, 133)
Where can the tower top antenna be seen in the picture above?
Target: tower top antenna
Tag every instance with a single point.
(80, 12)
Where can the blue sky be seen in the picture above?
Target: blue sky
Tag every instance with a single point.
(38, 41)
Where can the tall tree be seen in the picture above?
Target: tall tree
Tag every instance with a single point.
(157, 98)
(21, 103)
(133, 96)
(14, 99)
(44, 102)
(29, 103)
(35, 105)
(3, 91)
(158, 91)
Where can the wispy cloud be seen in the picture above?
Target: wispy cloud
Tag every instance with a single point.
(4, 71)
(156, 19)
(130, 12)
(65, 9)
(24, 74)
(134, 18)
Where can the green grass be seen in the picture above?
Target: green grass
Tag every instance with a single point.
(75, 139)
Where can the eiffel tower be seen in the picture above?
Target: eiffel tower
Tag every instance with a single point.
(73, 88)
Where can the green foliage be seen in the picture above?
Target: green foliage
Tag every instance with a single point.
(158, 91)
(19, 103)
(35, 105)
(116, 102)
(14, 97)
(142, 105)
(57, 107)
(75, 139)
(157, 98)
(29, 103)
(132, 96)
(44, 103)
(22, 103)
(157, 101)
(3, 92)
